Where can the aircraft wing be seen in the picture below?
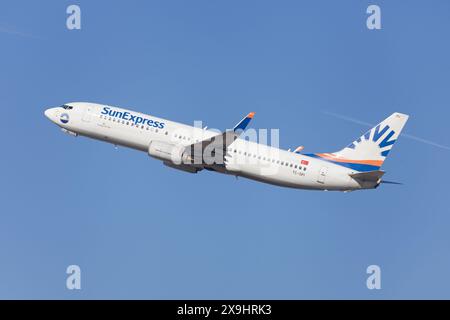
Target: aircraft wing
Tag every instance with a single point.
(207, 150)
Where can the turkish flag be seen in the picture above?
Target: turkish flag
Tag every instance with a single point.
(305, 162)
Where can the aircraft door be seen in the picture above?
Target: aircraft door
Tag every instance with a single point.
(87, 114)
(322, 175)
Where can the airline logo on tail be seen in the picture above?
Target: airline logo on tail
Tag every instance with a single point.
(385, 144)
(368, 152)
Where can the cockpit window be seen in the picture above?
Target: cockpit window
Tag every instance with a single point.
(67, 107)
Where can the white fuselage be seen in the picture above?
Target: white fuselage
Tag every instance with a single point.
(243, 158)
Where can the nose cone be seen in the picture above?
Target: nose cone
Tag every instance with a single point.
(48, 114)
(52, 114)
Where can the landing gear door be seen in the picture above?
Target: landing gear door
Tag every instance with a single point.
(322, 175)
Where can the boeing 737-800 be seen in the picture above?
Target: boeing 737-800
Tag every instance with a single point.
(192, 149)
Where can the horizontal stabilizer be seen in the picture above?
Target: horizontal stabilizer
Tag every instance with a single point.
(368, 176)
(391, 182)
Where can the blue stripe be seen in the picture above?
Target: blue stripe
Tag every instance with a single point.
(357, 166)
(354, 166)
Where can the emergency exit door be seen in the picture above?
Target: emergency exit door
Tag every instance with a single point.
(322, 175)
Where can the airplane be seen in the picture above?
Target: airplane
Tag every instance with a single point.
(193, 149)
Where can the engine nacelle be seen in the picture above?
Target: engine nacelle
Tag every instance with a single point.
(168, 152)
(182, 167)
(172, 155)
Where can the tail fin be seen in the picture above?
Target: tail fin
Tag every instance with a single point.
(369, 151)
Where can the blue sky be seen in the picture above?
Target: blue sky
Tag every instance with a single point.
(140, 230)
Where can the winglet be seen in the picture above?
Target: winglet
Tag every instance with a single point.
(299, 149)
(244, 122)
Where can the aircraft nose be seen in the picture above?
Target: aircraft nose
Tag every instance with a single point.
(50, 114)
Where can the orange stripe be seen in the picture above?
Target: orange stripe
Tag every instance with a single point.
(251, 115)
(377, 163)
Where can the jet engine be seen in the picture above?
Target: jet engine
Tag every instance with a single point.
(173, 156)
(168, 152)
